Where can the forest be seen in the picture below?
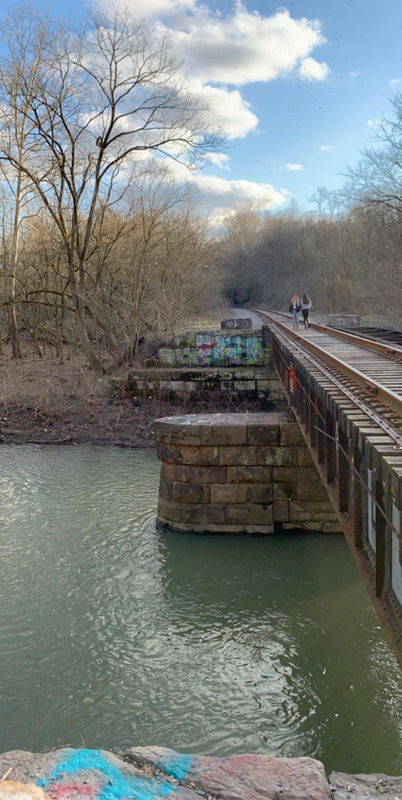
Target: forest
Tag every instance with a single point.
(106, 254)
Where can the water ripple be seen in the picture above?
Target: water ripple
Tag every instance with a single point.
(114, 634)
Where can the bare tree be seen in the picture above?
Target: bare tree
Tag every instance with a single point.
(23, 36)
(377, 178)
(108, 95)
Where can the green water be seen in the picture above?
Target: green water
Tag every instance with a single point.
(115, 634)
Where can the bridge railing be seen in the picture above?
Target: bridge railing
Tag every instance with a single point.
(361, 466)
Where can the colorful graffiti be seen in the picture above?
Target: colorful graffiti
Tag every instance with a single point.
(215, 349)
(95, 775)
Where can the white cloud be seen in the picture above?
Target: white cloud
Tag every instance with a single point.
(219, 194)
(394, 81)
(372, 123)
(221, 160)
(354, 73)
(325, 147)
(295, 167)
(244, 47)
(226, 110)
(150, 8)
(312, 70)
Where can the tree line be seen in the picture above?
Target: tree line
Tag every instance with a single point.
(100, 246)
(347, 254)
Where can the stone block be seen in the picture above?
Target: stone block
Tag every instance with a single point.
(277, 456)
(238, 456)
(175, 472)
(302, 525)
(305, 490)
(249, 514)
(249, 474)
(282, 491)
(166, 489)
(244, 386)
(260, 434)
(259, 493)
(188, 455)
(208, 474)
(281, 510)
(294, 474)
(204, 515)
(169, 510)
(184, 473)
(229, 435)
(188, 492)
(187, 513)
(173, 431)
(263, 529)
(247, 373)
(208, 528)
(291, 435)
(229, 493)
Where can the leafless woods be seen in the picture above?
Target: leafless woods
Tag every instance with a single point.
(99, 244)
(347, 254)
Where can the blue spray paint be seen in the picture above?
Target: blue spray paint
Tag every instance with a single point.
(177, 766)
(118, 786)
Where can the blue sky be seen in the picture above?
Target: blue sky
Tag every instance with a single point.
(283, 81)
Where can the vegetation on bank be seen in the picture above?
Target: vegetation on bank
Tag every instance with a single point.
(103, 252)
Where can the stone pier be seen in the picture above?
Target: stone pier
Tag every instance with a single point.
(238, 473)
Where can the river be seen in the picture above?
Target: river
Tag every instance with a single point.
(115, 634)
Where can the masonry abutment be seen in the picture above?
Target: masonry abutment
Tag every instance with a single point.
(238, 473)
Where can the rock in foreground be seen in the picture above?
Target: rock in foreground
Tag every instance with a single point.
(156, 773)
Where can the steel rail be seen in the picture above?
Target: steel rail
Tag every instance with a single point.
(378, 390)
(359, 341)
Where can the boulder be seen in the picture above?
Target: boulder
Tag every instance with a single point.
(153, 773)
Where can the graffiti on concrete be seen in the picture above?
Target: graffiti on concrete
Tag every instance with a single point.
(237, 323)
(216, 349)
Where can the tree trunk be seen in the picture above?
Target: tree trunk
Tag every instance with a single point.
(13, 330)
(94, 362)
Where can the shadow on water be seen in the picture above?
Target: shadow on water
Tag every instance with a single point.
(114, 633)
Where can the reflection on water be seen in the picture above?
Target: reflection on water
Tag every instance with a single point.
(115, 634)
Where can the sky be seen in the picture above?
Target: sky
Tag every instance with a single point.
(296, 88)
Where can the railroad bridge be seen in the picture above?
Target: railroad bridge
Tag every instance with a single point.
(346, 394)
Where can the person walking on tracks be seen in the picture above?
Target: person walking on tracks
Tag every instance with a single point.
(294, 309)
(305, 308)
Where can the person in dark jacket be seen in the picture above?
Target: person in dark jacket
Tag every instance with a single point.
(305, 308)
(294, 309)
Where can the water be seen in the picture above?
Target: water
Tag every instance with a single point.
(114, 634)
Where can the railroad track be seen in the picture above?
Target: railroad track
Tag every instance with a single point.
(368, 373)
(347, 397)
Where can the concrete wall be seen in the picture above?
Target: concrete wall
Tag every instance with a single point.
(223, 348)
(238, 473)
(254, 383)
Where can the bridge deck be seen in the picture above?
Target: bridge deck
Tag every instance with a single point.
(347, 398)
(375, 365)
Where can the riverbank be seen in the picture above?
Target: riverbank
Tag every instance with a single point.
(53, 398)
(153, 773)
